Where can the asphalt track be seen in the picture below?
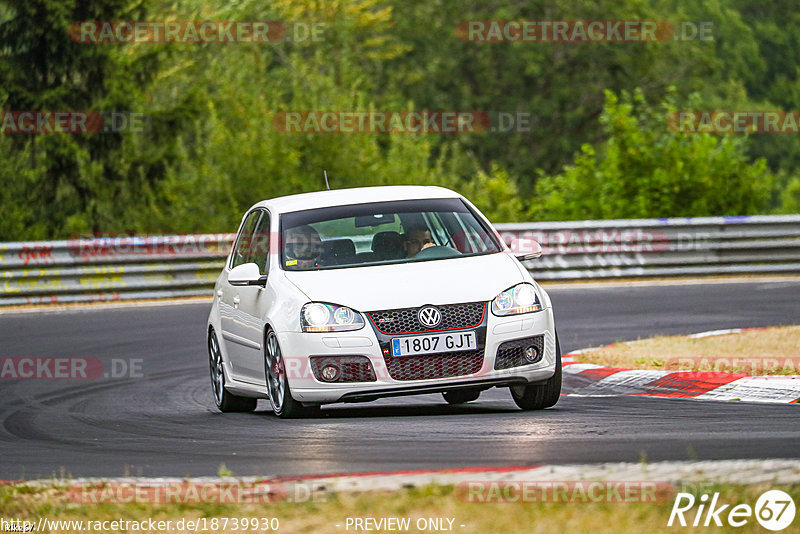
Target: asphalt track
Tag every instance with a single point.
(164, 424)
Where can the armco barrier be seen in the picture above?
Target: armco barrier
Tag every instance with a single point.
(123, 268)
(629, 248)
(113, 268)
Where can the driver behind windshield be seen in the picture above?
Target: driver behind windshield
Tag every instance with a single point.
(416, 240)
(302, 248)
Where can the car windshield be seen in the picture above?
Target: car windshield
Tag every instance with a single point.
(382, 233)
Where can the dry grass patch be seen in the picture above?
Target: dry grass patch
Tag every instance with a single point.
(771, 351)
(426, 502)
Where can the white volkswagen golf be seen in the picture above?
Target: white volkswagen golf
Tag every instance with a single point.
(355, 294)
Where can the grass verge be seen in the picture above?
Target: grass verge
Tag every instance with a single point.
(54, 502)
(769, 351)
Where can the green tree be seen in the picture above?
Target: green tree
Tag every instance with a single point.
(82, 182)
(234, 155)
(646, 170)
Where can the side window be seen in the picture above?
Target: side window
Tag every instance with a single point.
(259, 249)
(477, 238)
(241, 249)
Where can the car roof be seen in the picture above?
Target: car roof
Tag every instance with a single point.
(356, 195)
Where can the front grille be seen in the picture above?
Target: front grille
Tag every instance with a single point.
(512, 353)
(351, 368)
(423, 367)
(405, 321)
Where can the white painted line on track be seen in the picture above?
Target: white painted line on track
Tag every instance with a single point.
(712, 333)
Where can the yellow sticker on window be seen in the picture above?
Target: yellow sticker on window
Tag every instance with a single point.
(291, 262)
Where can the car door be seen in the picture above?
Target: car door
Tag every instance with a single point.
(229, 300)
(252, 307)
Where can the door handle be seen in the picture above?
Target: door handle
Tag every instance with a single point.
(236, 301)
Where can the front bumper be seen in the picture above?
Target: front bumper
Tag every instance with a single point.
(298, 347)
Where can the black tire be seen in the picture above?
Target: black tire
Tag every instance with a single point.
(224, 399)
(541, 395)
(280, 396)
(461, 396)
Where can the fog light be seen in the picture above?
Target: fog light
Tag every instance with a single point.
(330, 372)
(532, 354)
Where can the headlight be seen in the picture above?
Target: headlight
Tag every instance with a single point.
(521, 298)
(319, 317)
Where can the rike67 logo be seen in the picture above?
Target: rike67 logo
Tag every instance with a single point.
(774, 510)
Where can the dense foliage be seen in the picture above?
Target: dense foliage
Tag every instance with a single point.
(598, 145)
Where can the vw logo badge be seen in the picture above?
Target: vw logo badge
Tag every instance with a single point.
(429, 316)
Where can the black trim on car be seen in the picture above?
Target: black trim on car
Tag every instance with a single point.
(262, 210)
(368, 396)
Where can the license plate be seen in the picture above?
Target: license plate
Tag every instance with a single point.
(434, 343)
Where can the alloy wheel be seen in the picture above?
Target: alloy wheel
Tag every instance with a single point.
(276, 373)
(217, 372)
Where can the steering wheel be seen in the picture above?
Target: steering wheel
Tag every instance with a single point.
(436, 252)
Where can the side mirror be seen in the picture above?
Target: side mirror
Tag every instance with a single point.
(531, 256)
(534, 251)
(246, 274)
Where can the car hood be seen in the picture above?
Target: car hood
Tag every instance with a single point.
(407, 285)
